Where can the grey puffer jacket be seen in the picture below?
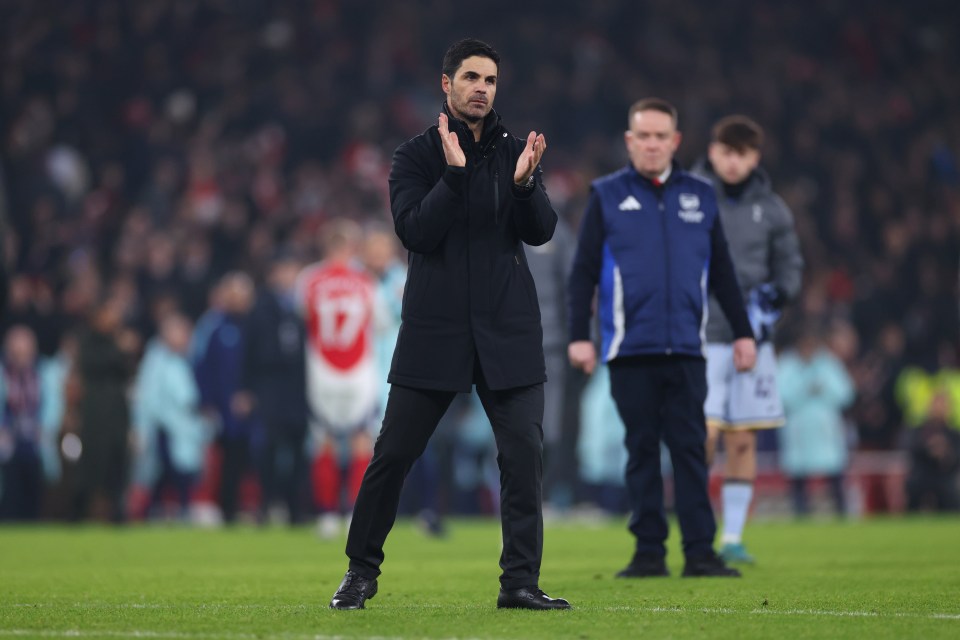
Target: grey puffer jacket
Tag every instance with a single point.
(762, 239)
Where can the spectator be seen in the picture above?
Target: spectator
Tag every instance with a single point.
(217, 357)
(106, 363)
(602, 457)
(815, 389)
(167, 415)
(273, 389)
(933, 482)
(31, 411)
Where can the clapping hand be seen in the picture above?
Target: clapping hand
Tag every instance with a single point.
(451, 145)
(530, 158)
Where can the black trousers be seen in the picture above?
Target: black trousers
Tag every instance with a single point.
(410, 419)
(21, 484)
(661, 397)
(237, 460)
(283, 468)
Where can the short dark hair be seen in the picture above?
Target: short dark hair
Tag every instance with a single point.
(740, 133)
(652, 104)
(467, 48)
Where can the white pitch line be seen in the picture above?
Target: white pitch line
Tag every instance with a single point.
(201, 606)
(792, 612)
(175, 635)
(860, 614)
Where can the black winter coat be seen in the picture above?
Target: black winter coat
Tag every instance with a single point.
(469, 292)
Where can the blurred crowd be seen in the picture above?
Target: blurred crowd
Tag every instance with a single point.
(153, 152)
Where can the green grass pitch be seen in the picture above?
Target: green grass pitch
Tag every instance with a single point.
(896, 578)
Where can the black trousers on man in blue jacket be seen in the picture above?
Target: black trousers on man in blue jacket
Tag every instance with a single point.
(661, 397)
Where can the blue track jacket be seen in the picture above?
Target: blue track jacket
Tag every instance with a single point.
(652, 253)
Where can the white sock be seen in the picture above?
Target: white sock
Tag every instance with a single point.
(736, 496)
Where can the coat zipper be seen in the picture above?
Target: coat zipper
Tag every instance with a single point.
(666, 253)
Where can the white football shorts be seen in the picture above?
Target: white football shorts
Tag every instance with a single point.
(748, 400)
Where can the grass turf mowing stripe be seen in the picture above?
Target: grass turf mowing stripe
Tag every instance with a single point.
(876, 579)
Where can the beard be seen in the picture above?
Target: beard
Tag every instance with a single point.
(467, 112)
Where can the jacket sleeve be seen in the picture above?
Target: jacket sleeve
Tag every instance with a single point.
(533, 215)
(423, 209)
(723, 283)
(585, 273)
(786, 261)
(204, 366)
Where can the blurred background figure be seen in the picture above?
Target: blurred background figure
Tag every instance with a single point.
(933, 483)
(217, 357)
(65, 442)
(380, 255)
(876, 412)
(338, 299)
(106, 363)
(602, 456)
(273, 390)
(550, 266)
(169, 426)
(30, 413)
(815, 389)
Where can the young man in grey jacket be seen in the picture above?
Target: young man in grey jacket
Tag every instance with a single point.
(769, 266)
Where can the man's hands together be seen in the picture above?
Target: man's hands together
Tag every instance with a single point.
(526, 164)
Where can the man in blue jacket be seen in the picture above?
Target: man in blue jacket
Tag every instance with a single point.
(217, 355)
(652, 245)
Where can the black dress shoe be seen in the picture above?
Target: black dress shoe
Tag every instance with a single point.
(645, 566)
(353, 592)
(529, 598)
(708, 566)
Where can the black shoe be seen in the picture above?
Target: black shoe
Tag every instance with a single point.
(708, 566)
(529, 598)
(645, 566)
(353, 592)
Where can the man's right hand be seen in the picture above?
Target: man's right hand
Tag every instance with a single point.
(451, 145)
(583, 356)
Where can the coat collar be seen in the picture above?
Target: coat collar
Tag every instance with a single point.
(675, 171)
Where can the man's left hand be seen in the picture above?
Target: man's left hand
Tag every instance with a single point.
(744, 354)
(530, 158)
